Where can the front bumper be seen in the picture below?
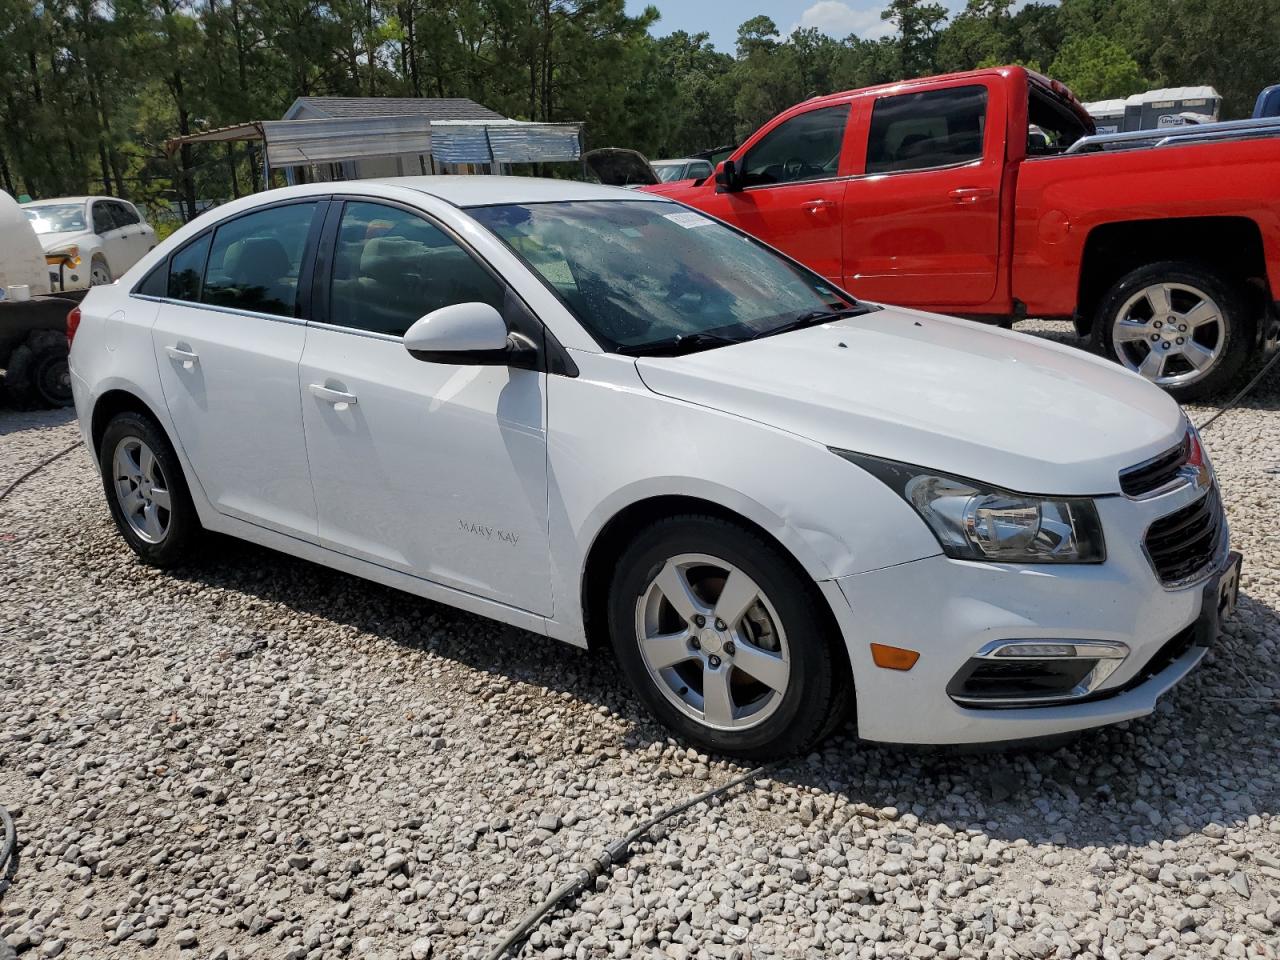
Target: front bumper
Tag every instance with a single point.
(948, 610)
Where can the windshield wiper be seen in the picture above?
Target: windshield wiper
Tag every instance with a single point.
(678, 345)
(815, 317)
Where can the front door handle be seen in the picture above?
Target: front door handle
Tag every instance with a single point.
(183, 354)
(329, 395)
(971, 194)
(818, 206)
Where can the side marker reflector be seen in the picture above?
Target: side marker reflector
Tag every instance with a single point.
(893, 658)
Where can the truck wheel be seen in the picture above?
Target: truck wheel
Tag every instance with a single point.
(38, 375)
(1181, 325)
(99, 273)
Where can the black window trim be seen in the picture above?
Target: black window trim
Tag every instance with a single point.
(848, 105)
(306, 266)
(976, 161)
(519, 316)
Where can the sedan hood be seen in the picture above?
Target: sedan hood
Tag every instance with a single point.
(56, 241)
(975, 401)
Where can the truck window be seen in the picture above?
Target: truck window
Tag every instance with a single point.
(806, 147)
(935, 128)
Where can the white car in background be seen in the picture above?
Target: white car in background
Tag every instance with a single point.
(599, 414)
(673, 171)
(89, 241)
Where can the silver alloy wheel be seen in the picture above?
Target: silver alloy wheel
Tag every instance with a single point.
(141, 489)
(1171, 333)
(99, 275)
(713, 642)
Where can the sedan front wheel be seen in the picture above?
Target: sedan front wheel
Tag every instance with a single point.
(717, 630)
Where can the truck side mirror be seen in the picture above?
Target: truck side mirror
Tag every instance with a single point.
(728, 177)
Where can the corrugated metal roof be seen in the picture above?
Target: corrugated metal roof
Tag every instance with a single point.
(432, 108)
(300, 142)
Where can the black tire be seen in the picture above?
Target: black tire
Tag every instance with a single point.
(38, 375)
(819, 686)
(99, 263)
(183, 531)
(1237, 326)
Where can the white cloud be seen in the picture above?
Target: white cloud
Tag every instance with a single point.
(838, 19)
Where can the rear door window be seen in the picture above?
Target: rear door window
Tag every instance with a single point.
(391, 267)
(186, 267)
(103, 220)
(256, 259)
(806, 147)
(934, 128)
(124, 215)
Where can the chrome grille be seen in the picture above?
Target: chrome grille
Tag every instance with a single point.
(1151, 475)
(1183, 543)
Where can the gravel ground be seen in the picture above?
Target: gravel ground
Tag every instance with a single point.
(263, 758)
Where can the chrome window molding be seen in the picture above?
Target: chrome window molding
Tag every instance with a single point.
(296, 321)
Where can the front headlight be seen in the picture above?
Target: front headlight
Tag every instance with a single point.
(71, 255)
(973, 521)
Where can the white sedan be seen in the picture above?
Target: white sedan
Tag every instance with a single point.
(89, 241)
(606, 417)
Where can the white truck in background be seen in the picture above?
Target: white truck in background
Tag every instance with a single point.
(33, 318)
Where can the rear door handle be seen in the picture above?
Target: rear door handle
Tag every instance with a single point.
(183, 354)
(329, 395)
(818, 206)
(971, 194)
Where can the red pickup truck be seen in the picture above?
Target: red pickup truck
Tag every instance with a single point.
(987, 194)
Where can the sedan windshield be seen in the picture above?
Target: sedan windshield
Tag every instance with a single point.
(56, 218)
(654, 277)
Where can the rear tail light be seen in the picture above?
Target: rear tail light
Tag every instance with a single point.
(73, 324)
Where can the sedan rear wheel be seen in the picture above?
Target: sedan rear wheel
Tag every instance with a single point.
(146, 490)
(723, 637)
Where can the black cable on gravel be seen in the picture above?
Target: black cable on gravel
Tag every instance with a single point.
(32, 472)
(8, 859)
(614, 853)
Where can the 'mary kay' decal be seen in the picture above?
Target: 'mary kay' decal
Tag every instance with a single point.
(488, 532)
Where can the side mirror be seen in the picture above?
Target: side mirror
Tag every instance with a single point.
(468, 334)
(728, 177)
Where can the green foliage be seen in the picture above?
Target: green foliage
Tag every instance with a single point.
(1097, 68)
(93, 88)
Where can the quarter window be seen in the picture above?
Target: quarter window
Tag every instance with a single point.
(186, 267)
(806, 147)
(392, 267)
(256, 259)
(936, 128)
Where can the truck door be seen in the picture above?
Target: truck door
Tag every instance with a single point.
(922, 220)
(792, 191)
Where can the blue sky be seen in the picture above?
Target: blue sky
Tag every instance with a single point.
(720, 18)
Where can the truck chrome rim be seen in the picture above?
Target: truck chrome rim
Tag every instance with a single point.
(141, 489)
(713, 643)
(1171, 333)
(99, 275)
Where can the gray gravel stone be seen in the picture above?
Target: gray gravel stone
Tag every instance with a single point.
(259, 758)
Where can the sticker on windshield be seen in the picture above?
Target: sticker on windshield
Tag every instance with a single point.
(688, 219)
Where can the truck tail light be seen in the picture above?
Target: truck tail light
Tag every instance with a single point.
(73, 324)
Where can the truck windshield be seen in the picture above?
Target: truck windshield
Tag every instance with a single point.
(655, 277)
(56, 218)
(667, 172)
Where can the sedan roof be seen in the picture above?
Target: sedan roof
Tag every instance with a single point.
(476, 191)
